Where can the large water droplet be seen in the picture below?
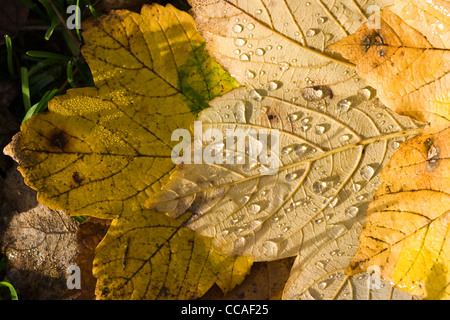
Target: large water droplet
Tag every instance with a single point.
(259, 52)
(238, 28)
(284, 66)
(254, 208)
(367, 172)
(351, 212)
(319, 187)
(244, 57)
(272, 85)
(240, 243)
(344, 139)
(344, 105)
(319, 129)
(239, 112)
(249, 74)
(291, 176)
(301, 149)
(239, 42)
(255, 95)
(313, 93)
(322, 285)
(286, 150)
(336, 230)
(270, 249)
(366, 93)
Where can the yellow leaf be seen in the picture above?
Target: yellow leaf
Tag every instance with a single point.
(103, 151)
(407, 229)
(407, 60)
(147, 255)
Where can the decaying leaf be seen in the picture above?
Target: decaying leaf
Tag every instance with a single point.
(147, 255)
(407, 60)
(102, 151)
(38, 242)
(406, 232)
(334, 137)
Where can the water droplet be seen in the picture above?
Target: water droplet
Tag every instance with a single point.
(244, 57)
(239, 42)
(301, 149)
(356, 187)
(239, 112)
(226, 116)
(311, 33)
(321, 20)
(322, 285)
(333, 203)
(304, 128)
(224, 233)
(285, 229)
(312, 93)
(238, 28)
(359, 198)
(351, 212)
(344, 105)
(249, 74)
(259, 52)
(259, 11)
(319, 129)
(272, 85)
(291, 177)
(244, 199)
(344, 139)
(237, 51)
(320, 264)
(367, 172)
(395, 145)
(284, 66)
(250, 26)
(308, 4)
(294, 116)
(366, 93)
(279, 47)
(319, 187)
(254, 208)
(336, 230)
(240, 242)
(254, 225)
(286, 150)
(255, 95)
(268, 47)
(270, 249)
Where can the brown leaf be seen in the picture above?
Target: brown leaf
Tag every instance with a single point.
(39, 243)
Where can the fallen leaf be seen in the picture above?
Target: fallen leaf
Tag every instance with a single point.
(147, 255)
(39, 243)
(103, 151)
(94, 142)
(407, 60)
(335, 136)
(406, 233)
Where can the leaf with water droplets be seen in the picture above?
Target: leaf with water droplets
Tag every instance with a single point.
(406, 58)
(314, 169)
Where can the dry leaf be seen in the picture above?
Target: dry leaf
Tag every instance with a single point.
(407, 60)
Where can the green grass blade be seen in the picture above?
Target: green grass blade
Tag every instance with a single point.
(12, 291)
(8, 43)
(25, 88)
(47, 55)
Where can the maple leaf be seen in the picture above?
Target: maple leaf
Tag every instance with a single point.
(334, 137)
(103, 151)
(406, 234)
